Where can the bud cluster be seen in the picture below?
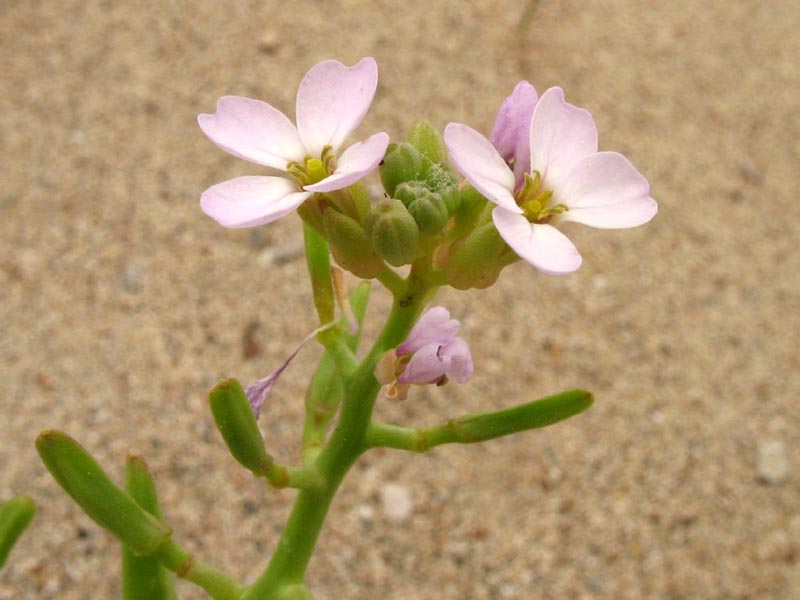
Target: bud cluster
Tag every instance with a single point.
(424, 215)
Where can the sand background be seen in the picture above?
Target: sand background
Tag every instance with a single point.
(122, 304)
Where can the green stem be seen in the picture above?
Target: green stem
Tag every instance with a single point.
(303, 478)
(218, 585)
(479, 427)
(391, 281)
(290, 560)
(319, 269)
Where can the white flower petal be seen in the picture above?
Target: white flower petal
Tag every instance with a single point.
(251, 201)
(605, 190)
(542, 246)
(478, 160)
(561, 135)
(357, 161)
(253, 130)
(332, 100)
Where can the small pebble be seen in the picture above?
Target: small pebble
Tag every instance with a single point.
(397, 502)
(131, 278)
(772, 464)
(284, 253)
(365, 512)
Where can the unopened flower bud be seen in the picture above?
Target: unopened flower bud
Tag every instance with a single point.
(475, 261)
(427, 139)
(82, 478)
(402, 163)
(465, 204)
(429, 211)
(393, 232)
(349, 245)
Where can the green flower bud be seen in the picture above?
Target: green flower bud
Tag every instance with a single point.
(428, 208)
(349, 245)
(465, 204)
(393, 233)
(82, 478)
(14, 518)
(237, 423)
(402, 163)
(440, 179)
(427, 139)
(475, 261)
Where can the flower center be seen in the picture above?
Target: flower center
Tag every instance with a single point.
(313, 170)
(535, 202)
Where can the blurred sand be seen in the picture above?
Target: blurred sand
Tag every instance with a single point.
(122, 304)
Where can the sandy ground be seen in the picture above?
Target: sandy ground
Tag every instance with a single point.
(122, 304)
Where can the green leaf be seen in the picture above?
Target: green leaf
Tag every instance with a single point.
(82, 478)
(15, 515)
(143, 578)
(237, 423)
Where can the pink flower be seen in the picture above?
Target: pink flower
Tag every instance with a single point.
(511, 132)
(568, 180)
(331, 102)
(431, 353)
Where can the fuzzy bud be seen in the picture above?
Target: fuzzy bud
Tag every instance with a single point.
(427, 139)
(475, 261)
(428, 208)
(402, 163)
(392, 232)
(349, 245)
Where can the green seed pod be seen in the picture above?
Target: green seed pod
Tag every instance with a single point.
(474, 261)
(392, 231)
(237, 423)
(349, 245)
(427, 139)
(402, 163)
(14, 518)
(82, 478)
(429, 211)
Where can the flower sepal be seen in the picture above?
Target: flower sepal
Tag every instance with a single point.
(428, 141)
(402, 163)
(393, 232)
(428, 208)
(349, 245)
(475, 260)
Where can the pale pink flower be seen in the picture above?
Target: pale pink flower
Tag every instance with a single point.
(568, 180)
(431, 353)
(511, 131)
(331, 102)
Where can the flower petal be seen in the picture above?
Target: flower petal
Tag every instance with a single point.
(357, 161)
(561, 135)
(605, 190)
(251, 201)
(511, 133)
(426, 365)
(332, 100)
(542, 246)
(478, 160)
(434, 326)
(460, 359)
(253, 130)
